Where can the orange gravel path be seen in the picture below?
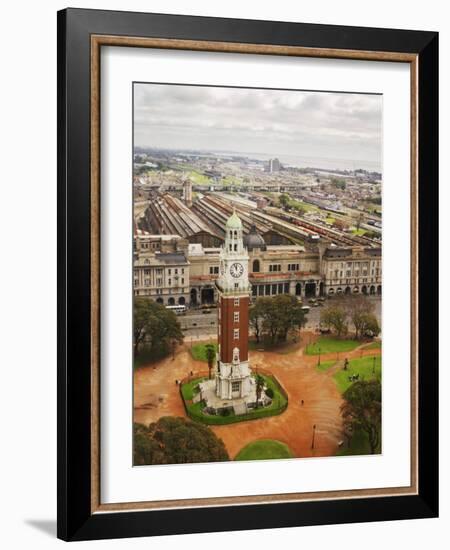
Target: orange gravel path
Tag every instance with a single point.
(156, 394)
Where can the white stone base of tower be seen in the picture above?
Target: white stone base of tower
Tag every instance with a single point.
(240, 404)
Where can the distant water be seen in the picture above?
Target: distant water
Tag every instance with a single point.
(318, 162)
(322, 162)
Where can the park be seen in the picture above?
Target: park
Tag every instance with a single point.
(307, 423)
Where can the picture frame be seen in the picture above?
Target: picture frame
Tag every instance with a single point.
(81, 35)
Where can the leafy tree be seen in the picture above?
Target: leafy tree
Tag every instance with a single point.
(259, 388)
(359, 307)
(256, 317)
(284, 200)
(339, 183)
(278, 316)
(335, 318)
(174, 440)
(362, 411)
(371, 327)
(155, 327)
(340, 224)
(210, 353)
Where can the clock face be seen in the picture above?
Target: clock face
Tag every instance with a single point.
(236, 270)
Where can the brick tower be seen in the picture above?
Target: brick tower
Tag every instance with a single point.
(233, 376)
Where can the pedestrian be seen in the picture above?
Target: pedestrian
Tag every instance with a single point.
(346, 364)
(303, 402)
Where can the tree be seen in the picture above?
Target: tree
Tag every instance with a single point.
(155, 327)
(335, 318)
(174, 440)
(259, 388)
(362, 411)
(371, 328)
(278, 316)
(360, 309)
(340, 224)
(210, 352)
(256, 317)
(339, 183)
(284, 200)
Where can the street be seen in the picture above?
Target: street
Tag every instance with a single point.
(196, 324)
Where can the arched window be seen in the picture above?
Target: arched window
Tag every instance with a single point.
(256, 266)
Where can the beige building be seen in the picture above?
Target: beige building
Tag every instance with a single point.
(162, 276)
(172, 272)
(354, 270)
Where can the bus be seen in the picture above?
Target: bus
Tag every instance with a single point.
(178, 310)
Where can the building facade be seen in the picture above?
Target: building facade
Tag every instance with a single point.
(172, 271)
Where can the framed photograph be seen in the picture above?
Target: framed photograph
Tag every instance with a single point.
(248, 295)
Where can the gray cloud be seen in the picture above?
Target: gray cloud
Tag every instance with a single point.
(275, 122)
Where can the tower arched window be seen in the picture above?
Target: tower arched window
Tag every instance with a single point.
(255, 266)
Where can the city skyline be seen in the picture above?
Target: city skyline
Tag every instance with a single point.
(288, 124)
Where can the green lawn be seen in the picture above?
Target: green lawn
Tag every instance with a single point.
(363, 367)
(194, 410)
(189, 389)
(263, 450)
(198, 178)
(358, 232)
(325, 365)
(198, 351)
(359, 445)
(330, 345)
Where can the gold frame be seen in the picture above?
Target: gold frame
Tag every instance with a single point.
(97, 41)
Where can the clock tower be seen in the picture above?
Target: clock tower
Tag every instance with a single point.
(233, 376)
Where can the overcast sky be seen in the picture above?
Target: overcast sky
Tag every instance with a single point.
(272, 122)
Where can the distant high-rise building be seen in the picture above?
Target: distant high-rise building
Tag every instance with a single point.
(274, 165)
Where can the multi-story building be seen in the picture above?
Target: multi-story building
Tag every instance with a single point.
(163, 276)
(354, 270)
(171, 271)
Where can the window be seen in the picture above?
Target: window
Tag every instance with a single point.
(170, 272)
(235, 247)
(236, 285)
(236, 334)
(274, 267)
(182, 280)
(293, 267)
(170, 281)
(236, 316)
(235, 386)
(176, 271)
(214, 270)
(236, 301)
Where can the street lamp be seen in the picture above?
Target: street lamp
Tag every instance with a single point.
(313, 436)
